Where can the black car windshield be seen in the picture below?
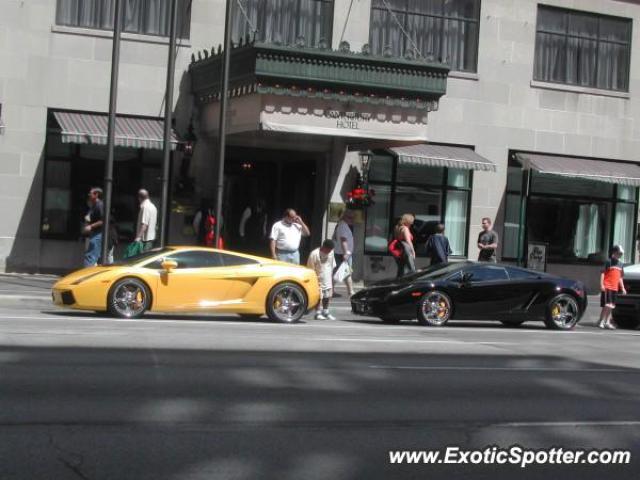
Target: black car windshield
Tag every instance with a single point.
(127, 262)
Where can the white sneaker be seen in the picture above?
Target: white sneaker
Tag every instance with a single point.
(320, 316)
(328, 316)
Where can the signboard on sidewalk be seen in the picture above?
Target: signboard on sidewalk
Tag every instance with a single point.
(537, 256)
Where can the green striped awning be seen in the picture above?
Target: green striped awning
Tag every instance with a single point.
(587, 169)
(431, 155)
(91, 128)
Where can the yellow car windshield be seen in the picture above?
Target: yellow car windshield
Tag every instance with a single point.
(141, 257)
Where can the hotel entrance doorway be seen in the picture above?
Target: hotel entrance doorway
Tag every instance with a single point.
(259, 185)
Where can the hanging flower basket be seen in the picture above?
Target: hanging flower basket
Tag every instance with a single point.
(360, 197)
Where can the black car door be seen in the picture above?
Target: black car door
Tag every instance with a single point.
(483, 292)
(526, 287)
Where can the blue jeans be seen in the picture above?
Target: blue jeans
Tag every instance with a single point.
(92, 254)
(289, 257)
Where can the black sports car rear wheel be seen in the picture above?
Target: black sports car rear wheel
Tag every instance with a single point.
(434, 309)
(286, 303)
(562, 312)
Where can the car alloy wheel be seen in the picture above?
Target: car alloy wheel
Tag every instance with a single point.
(286, 303)
(434, 309)
(129, 298)
(562, 312)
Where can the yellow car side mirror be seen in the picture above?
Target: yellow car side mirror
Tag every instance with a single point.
(168, 265)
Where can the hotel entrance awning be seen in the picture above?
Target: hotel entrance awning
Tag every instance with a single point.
(442, 156)
(598, 170)
(91, 128)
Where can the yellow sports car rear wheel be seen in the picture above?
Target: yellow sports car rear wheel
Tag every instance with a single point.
(129, 298)
(286, 303)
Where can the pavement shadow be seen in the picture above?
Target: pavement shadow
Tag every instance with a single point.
(109, 413)
(166, 316)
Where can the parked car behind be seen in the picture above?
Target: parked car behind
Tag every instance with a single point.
(627, 311)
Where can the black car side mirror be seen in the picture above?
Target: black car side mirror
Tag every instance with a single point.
(466, 278)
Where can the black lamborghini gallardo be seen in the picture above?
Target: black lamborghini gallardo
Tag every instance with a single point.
(475, 291)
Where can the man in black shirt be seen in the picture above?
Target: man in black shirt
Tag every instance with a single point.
(487, 242)
(438, 248)
(93, 227)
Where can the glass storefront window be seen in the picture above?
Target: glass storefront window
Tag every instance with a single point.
(511, 226)
(72, 169)
(514, 179)
(574, 229)
(623, 228)
(57, 198)
(458, 178)
(456, 220)
(377, 226)
(627, 193)
(432, 194)
(417, 174)
(381, 168)
(426, 205)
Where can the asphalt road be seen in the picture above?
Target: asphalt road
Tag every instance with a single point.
(209, 397)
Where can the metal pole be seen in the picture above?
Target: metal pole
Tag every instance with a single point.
(226, 57)
(111, 130)
(168, 115)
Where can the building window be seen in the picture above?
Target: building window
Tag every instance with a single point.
(580, 219)
(434, 194)
(147, 17)
(441, 30)
(511, 236)
(287, 22)
(583, 49)
(72, 169)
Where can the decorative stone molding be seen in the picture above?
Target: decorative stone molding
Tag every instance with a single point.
(338, 75)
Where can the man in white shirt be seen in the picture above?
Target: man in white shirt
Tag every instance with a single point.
(147, 219)
(343, 239)
(284, 241)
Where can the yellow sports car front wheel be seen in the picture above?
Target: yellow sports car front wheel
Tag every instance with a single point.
(129, 298)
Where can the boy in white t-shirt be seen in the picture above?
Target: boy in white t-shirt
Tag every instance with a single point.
(322, 261)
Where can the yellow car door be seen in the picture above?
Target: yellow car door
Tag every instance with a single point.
(245, 272)
(199, 282)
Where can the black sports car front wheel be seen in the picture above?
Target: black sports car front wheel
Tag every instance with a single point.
(562, 313)
(434, 309)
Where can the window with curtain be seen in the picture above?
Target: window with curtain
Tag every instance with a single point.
(70, 170)
(146, 17)
(583, 49)
(284, 22)
(441, 30)
(581, 223)
(433, 194)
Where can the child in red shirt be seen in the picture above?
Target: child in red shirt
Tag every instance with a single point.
(610, 283)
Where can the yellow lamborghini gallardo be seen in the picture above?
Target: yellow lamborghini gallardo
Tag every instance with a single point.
(192, 279)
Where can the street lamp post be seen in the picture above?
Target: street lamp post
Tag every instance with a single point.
(111, 131)
(222, 130)
(168, 115)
